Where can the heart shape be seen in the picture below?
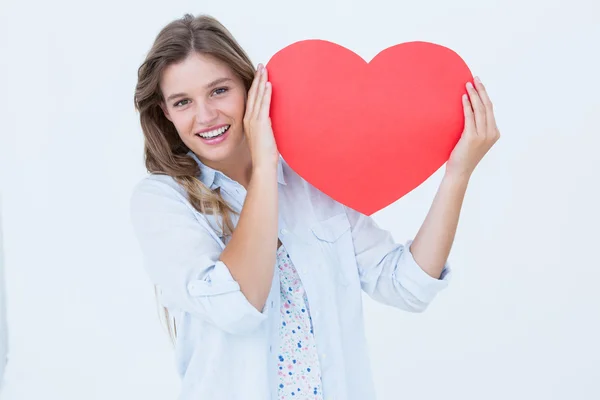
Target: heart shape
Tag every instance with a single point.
(366, 133)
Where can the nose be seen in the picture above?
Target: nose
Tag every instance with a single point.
(205, 113)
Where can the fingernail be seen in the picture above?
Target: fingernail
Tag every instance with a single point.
(469, 85)
(260, 67)
(477, 79)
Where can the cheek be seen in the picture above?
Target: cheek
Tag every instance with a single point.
(183, 121)
(236, 107)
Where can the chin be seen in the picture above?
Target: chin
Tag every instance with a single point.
(228, 151)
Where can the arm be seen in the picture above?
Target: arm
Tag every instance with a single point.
(229, 286)
(409, 276)
(433, 242)
(251, 252)
(181, 254)
(387, 270)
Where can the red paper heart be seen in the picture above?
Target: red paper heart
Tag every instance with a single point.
(366, 133)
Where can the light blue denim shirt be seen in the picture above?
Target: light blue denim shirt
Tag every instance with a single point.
(226, 348)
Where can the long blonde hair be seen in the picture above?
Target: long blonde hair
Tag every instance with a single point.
(164, 151)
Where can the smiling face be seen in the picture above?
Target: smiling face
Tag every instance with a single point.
(205, 101)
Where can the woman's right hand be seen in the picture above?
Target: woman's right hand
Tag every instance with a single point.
(257, 122)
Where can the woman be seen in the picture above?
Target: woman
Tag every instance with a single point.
(261, 272)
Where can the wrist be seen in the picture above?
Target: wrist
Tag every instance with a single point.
(455, 172)
(455, 177)
(266, 162)
(265, 168)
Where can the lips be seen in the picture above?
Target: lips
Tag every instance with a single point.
(214, 132)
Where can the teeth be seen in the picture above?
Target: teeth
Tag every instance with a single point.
(214, 133)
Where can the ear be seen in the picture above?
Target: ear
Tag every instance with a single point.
(163, 106)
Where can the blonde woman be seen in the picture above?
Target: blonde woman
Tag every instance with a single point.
(260, 272)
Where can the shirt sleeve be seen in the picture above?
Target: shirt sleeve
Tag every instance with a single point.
(388, 272)
(181, 256)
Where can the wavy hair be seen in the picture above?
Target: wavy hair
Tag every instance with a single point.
(164, 151)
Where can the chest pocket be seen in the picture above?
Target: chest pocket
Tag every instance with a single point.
(331, 229)
(335, 241)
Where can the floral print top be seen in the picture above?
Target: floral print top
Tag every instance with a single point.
(298, 361)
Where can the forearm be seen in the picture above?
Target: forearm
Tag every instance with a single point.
(432, 244)
(251, 252)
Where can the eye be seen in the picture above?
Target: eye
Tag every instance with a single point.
(220, 90)
(180, 103)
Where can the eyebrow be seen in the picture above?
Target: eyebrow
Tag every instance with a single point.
(210, 85)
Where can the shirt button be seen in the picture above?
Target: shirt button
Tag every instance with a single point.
(284, 231)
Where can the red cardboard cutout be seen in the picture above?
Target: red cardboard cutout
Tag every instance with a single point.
(366, 133)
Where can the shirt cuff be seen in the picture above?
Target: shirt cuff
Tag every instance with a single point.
(227, 306)
(418, 282)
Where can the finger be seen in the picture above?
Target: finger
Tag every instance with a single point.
(261, 94)
(252, 92)
(489, 107)
(266, 103)
(260, 91)
(478, 108)
(469, 117)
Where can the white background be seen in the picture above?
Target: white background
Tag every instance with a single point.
(3, 327)
(521, 319)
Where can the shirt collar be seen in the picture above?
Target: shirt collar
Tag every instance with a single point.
(212, 178)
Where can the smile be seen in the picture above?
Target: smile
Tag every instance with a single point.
(214, 133)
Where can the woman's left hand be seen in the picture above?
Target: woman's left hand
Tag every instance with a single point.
(479, 135)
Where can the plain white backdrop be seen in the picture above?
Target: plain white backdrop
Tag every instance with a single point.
(3, 327)
(521, 318)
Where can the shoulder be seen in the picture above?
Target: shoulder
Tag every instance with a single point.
(161, 198)
(157, 189)
(154, 182)
(158, 184)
